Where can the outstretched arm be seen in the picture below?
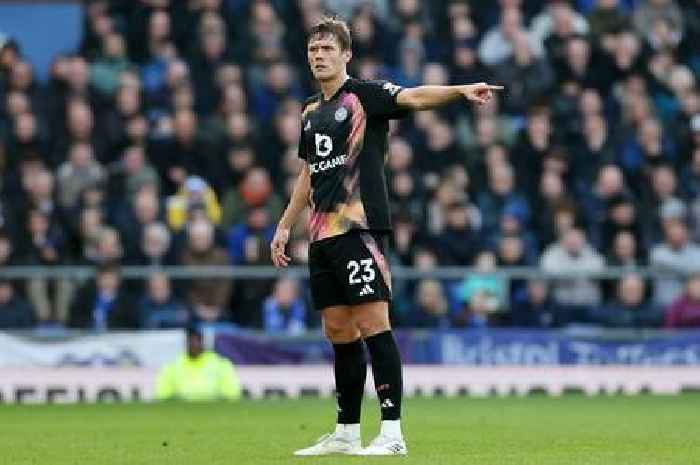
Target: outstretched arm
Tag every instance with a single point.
(299, 200)
(429, 97)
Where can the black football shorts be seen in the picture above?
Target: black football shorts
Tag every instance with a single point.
(349, 269)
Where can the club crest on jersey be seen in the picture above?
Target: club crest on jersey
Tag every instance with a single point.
(393, 89)
(340, 114)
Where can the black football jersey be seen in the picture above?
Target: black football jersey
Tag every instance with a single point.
(344, 142)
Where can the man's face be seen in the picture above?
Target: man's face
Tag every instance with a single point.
(108, 282)
(694, 288)
(195, 345)
(574, 241)
(201, 237)
(326, 58)
(537, 291)
(631, 291)
(159, 288)
(5, 249)
(6, 292)
(676, 233)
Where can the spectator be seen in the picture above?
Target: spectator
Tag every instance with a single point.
(198, 375)
(607, 17)
(459, 242)
(525, 76)
(195, 196)
(284, 311)
(279, 83)
(179, 154)
(248, 245)
(497, 44)
(143, 209)
(555, 15)
(103, 304)
(533, 144)
(40, 195)
(246, 240)
(431, 309)
(597, 149)
(132, 173)
(15, 313)
(108, 247)
(630, 309)
(6, 250)
(154, 246)
(624, 252)
(610, 184)
(80, 171)
(44, 247)
(208, 298)
(501, 194)
(684, 312)
(254, 191)
(677, 254)
(159, 308)
(555, 26)
(511, 254)
(656, 19)
(573, 254)
(484, 283)
(105, 71)
(621, 216)
(533, 307)
(477, 312)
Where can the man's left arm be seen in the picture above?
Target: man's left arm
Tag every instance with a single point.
(429, 97)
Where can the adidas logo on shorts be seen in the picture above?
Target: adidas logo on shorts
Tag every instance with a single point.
(366, 290)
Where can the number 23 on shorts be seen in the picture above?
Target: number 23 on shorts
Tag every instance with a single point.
(363, 268)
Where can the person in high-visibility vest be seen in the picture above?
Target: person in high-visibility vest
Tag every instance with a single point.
(198, 375)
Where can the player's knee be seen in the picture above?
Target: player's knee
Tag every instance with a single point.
(370, 326)
(340, 331)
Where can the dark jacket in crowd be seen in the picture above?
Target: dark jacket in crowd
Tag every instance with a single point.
(16, 314)
(121, 312)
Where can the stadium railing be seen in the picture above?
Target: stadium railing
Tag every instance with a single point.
(270, 272)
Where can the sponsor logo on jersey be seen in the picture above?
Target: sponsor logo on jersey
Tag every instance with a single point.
(324, 165)
(324, 145)
(340, 114)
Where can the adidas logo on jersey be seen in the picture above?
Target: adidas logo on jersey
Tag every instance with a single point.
(387, 403)
(366, 290)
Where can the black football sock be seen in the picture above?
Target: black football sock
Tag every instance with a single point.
(350, 374)
(386, 368)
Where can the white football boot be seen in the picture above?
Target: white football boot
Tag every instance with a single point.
(333, 443)
(385, 445)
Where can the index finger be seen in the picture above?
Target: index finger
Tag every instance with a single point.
(490, 87)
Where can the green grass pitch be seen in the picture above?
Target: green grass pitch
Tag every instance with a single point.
(538, 430)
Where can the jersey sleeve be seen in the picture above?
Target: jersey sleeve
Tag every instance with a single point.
(301, 148)
(379, 99)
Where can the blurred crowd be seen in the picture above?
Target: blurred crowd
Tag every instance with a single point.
(170, 138)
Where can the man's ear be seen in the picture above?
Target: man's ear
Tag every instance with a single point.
(347, 55)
